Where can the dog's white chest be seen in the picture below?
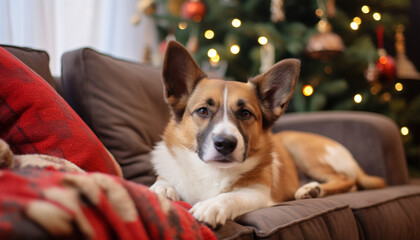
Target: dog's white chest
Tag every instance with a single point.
(193, 179)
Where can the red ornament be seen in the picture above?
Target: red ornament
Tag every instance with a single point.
(386, 67)
(163, 46)
(193, 9)
(386, 63)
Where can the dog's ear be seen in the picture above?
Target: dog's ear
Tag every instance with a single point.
(180, 75)
(275, 89)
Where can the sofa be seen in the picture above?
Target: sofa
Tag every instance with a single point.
(122, 103)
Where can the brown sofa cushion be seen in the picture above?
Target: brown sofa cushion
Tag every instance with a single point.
(389, 213)
(303, 219)
(37, 60)
(122, 102)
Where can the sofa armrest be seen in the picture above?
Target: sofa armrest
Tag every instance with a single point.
(373, 139)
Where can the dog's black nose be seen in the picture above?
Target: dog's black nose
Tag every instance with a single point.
(225, 144)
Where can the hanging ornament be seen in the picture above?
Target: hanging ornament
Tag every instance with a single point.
(372, 73)
(386, 63)
(386, 66)
(142, 7)
(331, 8)
(325, 44)
(192, 44)
(174, 7)
(193, 9)
(405, 68)
(169, 37)
(277, 11)
(267, 53)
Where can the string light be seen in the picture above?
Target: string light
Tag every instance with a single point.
(365, 9)
(383, 60)
(182, 25)
(212, 53)
(262, 40)
(319, 12)
(357, 20)
(209, 34)
(307, 90)
(354, 25)
(386, 97)
(399, 87)
(358, 98)
(376, 16)
(405, 131)
(328, 69)
(236, 23)
(215, 59)
(375, 89)
(234, 49)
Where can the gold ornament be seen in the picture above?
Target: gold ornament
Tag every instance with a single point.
(174, 7)
(277, 11)
(405, 68)
(143, 7)
(324, 44)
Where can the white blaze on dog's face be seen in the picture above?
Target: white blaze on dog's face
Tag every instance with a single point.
(224, 122)
(227, 119)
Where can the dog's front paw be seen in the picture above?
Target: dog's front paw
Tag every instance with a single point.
(211, 212)
(309, 190)
(164, 189)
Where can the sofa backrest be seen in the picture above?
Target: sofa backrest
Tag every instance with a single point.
(37, 60)
(122, 102)
(373, 139)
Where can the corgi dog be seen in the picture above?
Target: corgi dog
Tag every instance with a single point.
(218, 152)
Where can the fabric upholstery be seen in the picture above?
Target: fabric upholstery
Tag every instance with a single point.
(37, 60)
(373, 139)
(303, 219)
(35, 119)
(43, 203)
(390, 213)
(123, 104)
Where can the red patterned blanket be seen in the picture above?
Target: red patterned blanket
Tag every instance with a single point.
(40, 203)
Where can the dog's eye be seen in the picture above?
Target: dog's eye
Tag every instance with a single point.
(245, 114)
(202, 112)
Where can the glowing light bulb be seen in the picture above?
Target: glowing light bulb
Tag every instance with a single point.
(262, 40)
(215, 59)
(307, 90)
(319, 12)
(236, 23)
(182, 25)
(357, 20)
(358, 98)
(212, 53)
(209, 34)
(377, 16)
(405, 131)
(365, 9)
(383, 60)
(399, 87)
(354, 26)
(234, 49)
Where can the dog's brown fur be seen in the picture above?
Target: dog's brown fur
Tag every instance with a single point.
(267, 173)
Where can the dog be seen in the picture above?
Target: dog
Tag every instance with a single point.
(218, 152)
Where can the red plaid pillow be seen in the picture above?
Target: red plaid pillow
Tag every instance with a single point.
(35, 119)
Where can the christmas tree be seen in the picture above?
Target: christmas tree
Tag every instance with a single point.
(341, 46)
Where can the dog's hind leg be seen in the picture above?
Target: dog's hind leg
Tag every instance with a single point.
(331, 183)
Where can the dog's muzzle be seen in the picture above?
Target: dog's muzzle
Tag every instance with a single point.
(225, 144)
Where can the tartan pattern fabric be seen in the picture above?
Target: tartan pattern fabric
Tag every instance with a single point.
(35, 119)
(40, 203)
